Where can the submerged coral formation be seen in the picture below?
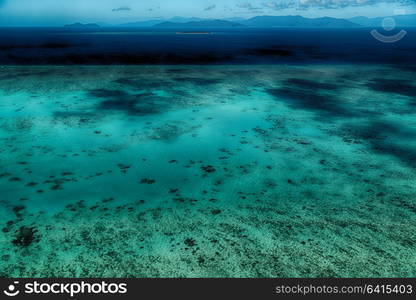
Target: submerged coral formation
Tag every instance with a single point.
(246, 171)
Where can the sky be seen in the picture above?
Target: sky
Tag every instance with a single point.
(60, 12)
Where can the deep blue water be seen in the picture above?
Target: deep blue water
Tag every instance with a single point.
(29, 46)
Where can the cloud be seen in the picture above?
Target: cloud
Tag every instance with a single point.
(281, 4)
(211, 7)
(328, 4)
(123, 8)
(152, 9)
(248, 6)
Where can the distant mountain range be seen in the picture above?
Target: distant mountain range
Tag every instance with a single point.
(80, 25)
(148, 23)
(296, 21)
(200, 24)
(400, 20)
(260, 21)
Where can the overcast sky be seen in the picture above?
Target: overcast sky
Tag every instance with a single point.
(59, 12)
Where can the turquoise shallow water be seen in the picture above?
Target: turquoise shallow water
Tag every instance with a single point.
(214, 171)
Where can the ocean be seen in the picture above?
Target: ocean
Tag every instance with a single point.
(126, 46)
(258, 153)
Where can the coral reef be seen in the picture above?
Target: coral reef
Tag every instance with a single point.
(246, 171)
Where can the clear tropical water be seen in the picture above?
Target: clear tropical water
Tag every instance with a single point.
(216, 171)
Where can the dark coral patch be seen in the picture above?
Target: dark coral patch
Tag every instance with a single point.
(310, 100)
(132, 104)
(395, 86)
(208, 169)
(190, 242)
(142, 84)
(312, 96)
(147, 181)
(311, 84)
(198, 80)
(386, 138)
(25, 236)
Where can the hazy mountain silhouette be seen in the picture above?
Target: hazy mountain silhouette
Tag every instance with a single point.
(80, 25)
(200, 24)
(261, 21)
(297, 21)
(400, 20)
(152, 22)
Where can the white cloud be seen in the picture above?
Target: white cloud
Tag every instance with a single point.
(211, 7)
(122, 8)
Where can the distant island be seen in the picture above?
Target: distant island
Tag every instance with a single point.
(200, 24)
(82, 26)
(193, 32)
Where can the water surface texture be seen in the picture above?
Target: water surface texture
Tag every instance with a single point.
(216, 171)
(125, 46)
